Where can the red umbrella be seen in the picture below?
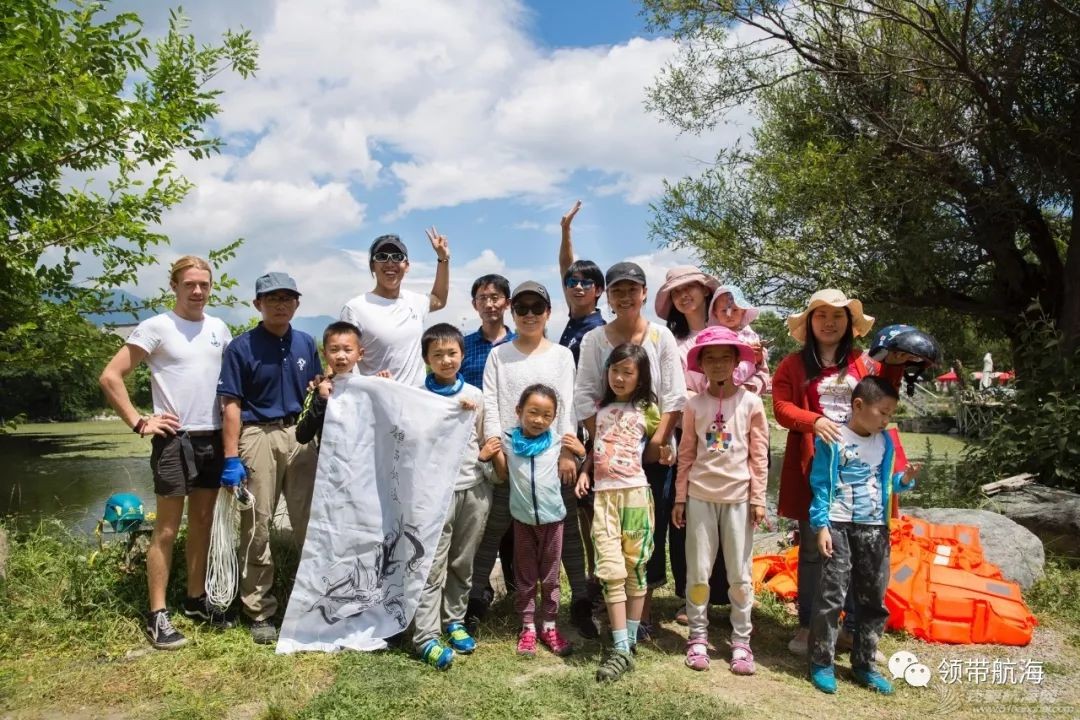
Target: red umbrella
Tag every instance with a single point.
(948, 377)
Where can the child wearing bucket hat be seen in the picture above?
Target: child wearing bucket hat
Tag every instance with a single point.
(812, 398)
(720, 491)
(729, 308)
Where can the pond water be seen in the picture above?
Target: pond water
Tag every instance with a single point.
(67, 470)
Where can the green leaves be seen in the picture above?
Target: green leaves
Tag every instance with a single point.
(92, 115)
(917, 158)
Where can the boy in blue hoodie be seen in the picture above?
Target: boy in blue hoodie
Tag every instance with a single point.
(852, 481)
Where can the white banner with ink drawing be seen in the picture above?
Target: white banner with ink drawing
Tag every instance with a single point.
(387, 465)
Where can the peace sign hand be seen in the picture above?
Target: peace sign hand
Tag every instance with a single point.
(438, 244)
(569, 217)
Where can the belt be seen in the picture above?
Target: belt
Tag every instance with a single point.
(286, 421)
(199, 433)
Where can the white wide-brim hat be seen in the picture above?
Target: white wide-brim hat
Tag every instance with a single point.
(860, 321)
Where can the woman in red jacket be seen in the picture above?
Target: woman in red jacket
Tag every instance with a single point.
(812, 397)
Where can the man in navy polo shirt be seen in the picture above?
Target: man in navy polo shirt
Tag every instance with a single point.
(490, 298)
(264, 377)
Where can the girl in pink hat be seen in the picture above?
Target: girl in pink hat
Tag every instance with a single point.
(683, 303)
(720, 491)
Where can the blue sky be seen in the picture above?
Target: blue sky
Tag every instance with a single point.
(485, 118)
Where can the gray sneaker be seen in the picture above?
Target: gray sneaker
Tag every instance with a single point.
(614, 666)
(263, 632)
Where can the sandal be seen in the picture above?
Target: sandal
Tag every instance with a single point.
(697, 654)
(742, 659)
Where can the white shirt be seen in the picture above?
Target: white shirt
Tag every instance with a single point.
(185, 360)
(509, 371)
(390, 331)
(665, 365)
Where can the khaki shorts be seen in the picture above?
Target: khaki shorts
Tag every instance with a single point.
(622, 533)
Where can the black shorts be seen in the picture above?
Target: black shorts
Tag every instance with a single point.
(182, 463)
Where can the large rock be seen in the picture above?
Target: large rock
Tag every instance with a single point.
(1007, 544)
(1050, 513)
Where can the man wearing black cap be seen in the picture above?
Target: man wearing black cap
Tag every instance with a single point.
(264, 377)
(390, 317)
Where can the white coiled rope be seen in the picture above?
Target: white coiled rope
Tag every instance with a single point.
(221, 562)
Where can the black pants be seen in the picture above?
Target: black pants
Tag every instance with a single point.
(860, 558)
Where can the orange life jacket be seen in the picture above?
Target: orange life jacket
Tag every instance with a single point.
(941, 587)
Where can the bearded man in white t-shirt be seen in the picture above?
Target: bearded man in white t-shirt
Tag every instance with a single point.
(183, 348)
(391, 318)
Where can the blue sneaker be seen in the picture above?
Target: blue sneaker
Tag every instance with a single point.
(823, 677)
(460, 639)
(872, 680)
(437, 655)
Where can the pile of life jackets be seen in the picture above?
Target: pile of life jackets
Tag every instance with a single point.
(941, 587)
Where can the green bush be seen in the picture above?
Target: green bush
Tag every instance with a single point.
(1038, 430)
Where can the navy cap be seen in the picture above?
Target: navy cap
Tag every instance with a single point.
(624, 271)
(383, 242)
(531, 286)
(270, 282)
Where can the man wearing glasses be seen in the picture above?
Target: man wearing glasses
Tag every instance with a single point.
(583, 284)
(390, 317)
(490, 298)
(264, 376)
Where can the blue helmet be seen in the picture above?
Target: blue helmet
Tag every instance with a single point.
(124, 511)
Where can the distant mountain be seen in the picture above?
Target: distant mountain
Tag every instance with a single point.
(118, 297)
(314, 325)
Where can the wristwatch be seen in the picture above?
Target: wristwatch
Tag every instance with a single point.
(140, 426)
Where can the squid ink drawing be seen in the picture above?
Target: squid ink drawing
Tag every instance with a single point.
(364, 588)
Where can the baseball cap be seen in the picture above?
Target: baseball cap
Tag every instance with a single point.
(270, 282)
(531, 286)
(383, 242)
(624, 271)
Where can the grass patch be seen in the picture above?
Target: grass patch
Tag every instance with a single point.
(70, 636)
(101, 439)
(1058, 595)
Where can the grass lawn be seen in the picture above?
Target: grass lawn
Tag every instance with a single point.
(70, 646)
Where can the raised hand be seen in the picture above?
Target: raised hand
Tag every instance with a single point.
(438, 244)
(568, 218)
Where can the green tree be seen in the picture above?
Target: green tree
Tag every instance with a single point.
(91, 116)
(922, 154)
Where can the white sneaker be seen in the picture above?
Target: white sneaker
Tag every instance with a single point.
(799, 644)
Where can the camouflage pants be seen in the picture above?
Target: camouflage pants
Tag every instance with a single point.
(860, 558)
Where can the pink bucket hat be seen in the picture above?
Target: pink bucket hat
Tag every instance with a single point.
(676, 277)
(860, 322)
(717, 336)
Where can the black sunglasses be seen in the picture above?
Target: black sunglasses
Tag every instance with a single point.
(572, 283)
(534, 308)
(389, 257)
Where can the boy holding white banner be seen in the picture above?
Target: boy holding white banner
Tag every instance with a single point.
(446, 592)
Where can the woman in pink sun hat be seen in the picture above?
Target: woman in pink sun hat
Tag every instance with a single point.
(720, 491)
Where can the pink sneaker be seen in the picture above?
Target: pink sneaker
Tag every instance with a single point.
(527, 643)
(554, 642)
(697, 654)
(742, 659)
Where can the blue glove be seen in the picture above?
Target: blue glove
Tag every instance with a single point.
(234, 472)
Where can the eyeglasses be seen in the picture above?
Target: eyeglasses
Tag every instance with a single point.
(389, 257)
(533, 308)
(485, 299)
(282, 299)
(585, 283)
